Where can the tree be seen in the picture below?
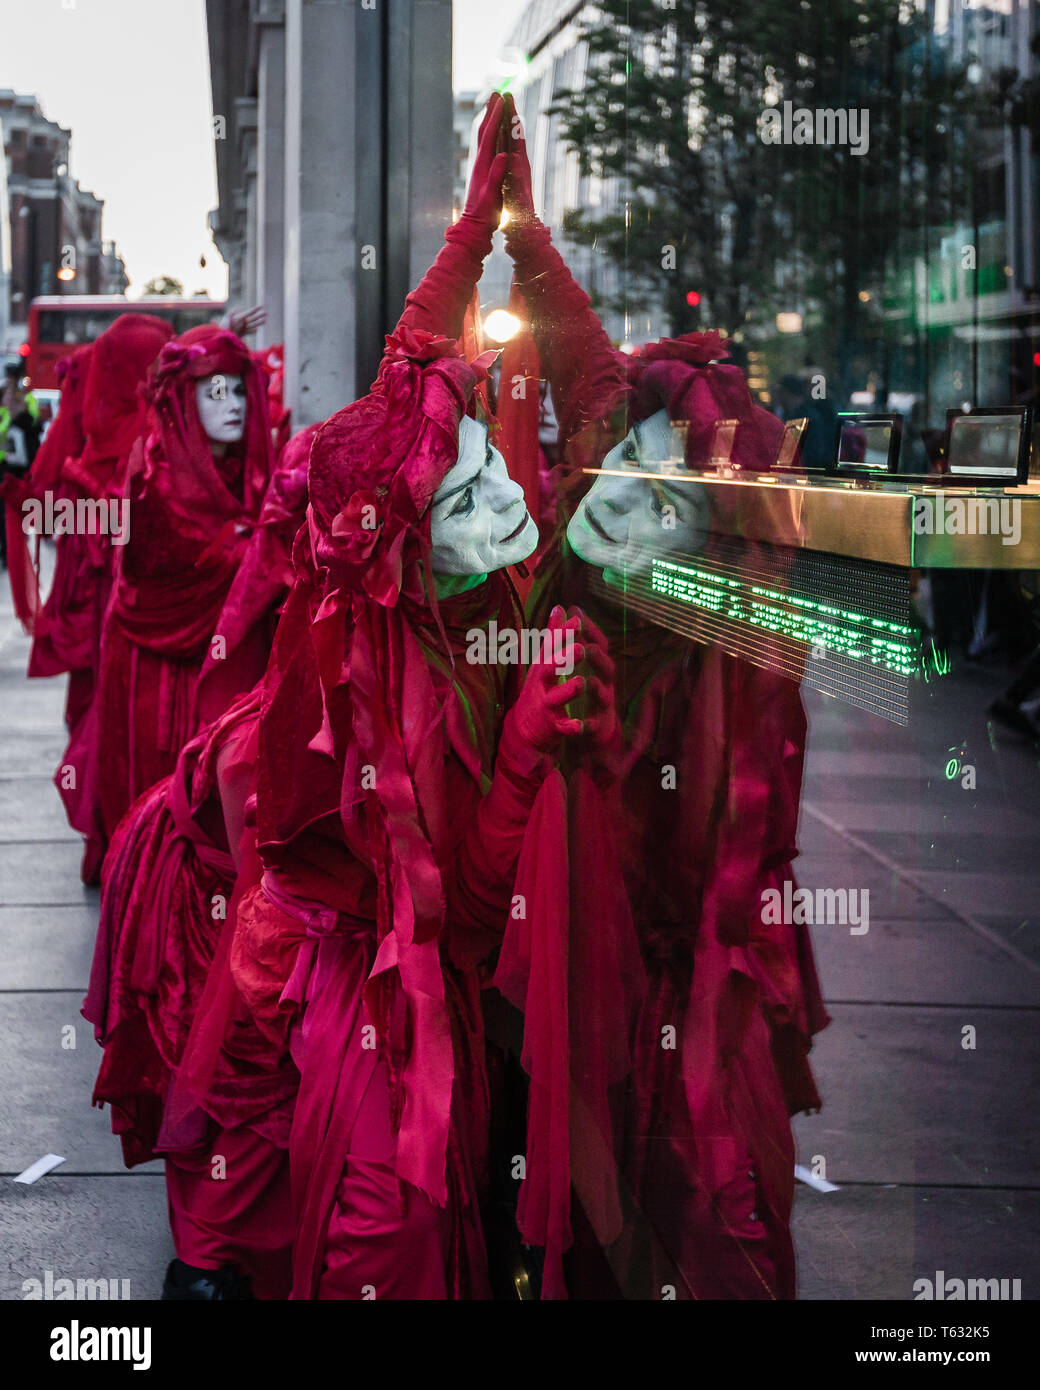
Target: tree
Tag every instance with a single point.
(164, 284)
(672, 107)
(1015, 99)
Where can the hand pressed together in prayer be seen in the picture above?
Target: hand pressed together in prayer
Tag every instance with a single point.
(519, 192)
(540, 715)
(601, 727)
(484, 200)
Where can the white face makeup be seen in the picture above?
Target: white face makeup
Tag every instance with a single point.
(623, 522)
(221, 403)
(480, 522)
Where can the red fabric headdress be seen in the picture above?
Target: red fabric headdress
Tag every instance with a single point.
(684, 376)
(67, 435)
(114, 402)
(376, 465)
(247, 465)
(118, 368)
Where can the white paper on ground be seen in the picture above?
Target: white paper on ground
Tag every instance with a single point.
(39, 1168)
(811, 1180)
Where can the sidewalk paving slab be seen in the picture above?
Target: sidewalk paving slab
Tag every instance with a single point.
(905, 1103)
(48, 1109)
(47, 947)
(46, 871)
(85, 1228)
(928, 960)
(876, 1242)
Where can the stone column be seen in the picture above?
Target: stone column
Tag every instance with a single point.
(320, 208)
(420, 141)
(270, 189)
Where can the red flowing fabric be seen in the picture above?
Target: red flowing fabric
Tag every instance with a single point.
(162, 953)
(271, 361)
(519, 403)
(259, 588)
(166, 885)
(237, 1213)
(21, 572)
(68, 633)
(532, 975)
(111, 410)
(190, 517)
(167, 892)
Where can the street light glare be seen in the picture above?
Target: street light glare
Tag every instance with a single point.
(500, 325)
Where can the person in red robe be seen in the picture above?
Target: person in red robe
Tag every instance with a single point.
(684, 1075)
(167, 883)
(396, 775)
(194, 497)
(67, 633)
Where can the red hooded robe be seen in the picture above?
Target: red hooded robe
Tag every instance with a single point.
(190, 519)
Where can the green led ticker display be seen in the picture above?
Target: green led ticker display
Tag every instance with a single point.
(843, 632)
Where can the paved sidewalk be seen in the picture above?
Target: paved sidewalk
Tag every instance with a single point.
(90, 1218)
(933, 1147)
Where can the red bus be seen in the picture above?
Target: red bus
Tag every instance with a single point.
(60, 322)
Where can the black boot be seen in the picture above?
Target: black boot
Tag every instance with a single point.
(185, 1282)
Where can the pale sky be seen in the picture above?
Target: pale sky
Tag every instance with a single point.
(480, 31)
(130, 78)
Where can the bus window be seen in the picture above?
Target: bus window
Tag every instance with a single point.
(57, 327)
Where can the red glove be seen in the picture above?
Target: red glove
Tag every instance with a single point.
(519, 192)
(576, 355)
(484, 195)
(601, 728)
(438, 303)
(539, 718)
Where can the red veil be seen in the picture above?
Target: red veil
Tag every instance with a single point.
(114, 405)
(190, 516)
(109, 405)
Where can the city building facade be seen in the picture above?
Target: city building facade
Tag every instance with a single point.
(948, 326)
(55, 234)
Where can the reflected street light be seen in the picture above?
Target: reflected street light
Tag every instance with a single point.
(500, 325)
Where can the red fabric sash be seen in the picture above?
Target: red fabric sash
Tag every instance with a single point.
(25, 584)
(532, 975)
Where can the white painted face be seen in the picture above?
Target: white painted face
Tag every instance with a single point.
(623, 522)
(480, 522)
(221, 403)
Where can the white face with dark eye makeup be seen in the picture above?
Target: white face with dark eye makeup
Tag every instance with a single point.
(221, 403)
(480, 522)
(622, 522)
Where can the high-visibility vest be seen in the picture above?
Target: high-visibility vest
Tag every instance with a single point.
(19, 453)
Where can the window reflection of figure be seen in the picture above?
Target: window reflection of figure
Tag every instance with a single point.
(698, 784)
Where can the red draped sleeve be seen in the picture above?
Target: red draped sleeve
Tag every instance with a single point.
(578, 360)
(438, 304)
